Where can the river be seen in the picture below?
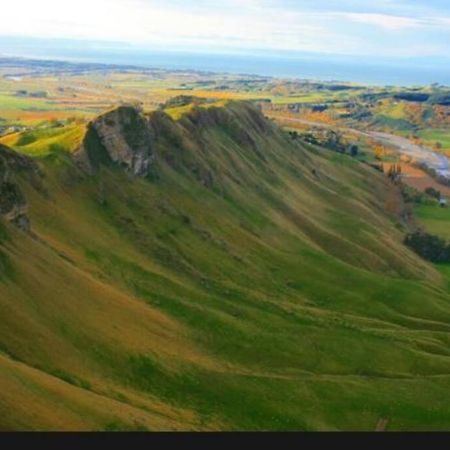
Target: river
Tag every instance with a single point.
(423, 155)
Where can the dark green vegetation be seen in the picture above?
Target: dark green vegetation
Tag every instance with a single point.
(247, 281)
(430, 247)
(329, 139)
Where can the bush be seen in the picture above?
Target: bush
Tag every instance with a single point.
(411, 195)
(429, 247)
(353, 150)
(433, 193)
(26, 139)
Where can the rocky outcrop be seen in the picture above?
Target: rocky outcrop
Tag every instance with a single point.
(13, 204)
(130, 139)
(123, 137)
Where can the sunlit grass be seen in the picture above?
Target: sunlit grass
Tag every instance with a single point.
(40, 142)
(435, 219)
(432, 136)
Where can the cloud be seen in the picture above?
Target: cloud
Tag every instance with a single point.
(385, 21)
(320, 26)
(155, 22)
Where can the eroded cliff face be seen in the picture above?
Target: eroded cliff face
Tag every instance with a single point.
(121, 136)
(13, 204)
(130, 139)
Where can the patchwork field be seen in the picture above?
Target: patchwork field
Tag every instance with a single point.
(433, 136)
(435, 219)
(420, 180)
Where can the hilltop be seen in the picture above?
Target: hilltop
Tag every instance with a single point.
(205, 271)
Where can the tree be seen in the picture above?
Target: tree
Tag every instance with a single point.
(394, 172)
(431, 248)
(379, 151)
(354, 150)
(334, 141)
(433, 193)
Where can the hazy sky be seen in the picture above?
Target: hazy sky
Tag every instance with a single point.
(398, 28)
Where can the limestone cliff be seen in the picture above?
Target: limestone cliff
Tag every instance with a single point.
(121, 136)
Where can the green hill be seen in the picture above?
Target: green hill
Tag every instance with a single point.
(211, 273)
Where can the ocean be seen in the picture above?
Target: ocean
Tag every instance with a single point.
(363, 70)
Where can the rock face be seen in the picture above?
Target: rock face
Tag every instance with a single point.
(122, 136)
(13, 204)
(128, 138)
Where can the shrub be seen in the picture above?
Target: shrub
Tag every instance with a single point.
(353, 150)
(433, 193)
(26, 139)
(429, 247)
(411, 195)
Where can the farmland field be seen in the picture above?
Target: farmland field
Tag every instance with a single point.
(435, 219)
(431, 136)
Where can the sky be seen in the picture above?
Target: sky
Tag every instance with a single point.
(382, 28)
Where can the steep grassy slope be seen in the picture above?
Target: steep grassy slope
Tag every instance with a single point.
(246, 282)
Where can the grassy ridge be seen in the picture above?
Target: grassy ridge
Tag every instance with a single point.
(278, 297)
(41, 142)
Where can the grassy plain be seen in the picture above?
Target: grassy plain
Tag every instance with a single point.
(435, 219)
(432, 136)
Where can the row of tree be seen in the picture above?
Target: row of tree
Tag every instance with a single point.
(327, 138)
(394, 173)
